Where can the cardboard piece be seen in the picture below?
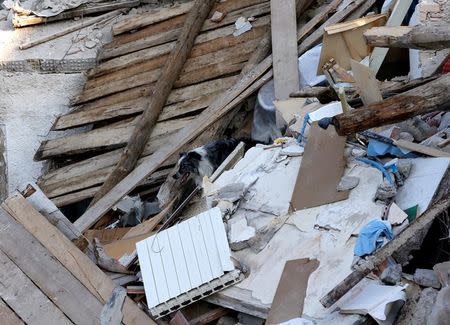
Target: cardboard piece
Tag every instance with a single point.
(321, 169)
(291, 291)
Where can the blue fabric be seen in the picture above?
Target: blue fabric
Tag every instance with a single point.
(370, 237)
(379, 149)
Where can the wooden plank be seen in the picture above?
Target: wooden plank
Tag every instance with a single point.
(155, 103)
(108, 137)
(65, 252)
(139, 21)
(284, 47)
(395, 19)
(127, 108)
(53, 279)
(367, 83)
(47, 208)
(291, 291)
(417, 147)
(106, 236)
(321, 170)
(81, 11)
(68, 30)
(165, 13)
(209, 316)
(112, 311)
(27, 301)
(8, 316)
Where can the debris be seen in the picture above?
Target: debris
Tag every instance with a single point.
(380, 302)
(112, 311)
(71, 29)
(441, 310)
(426, 278)
(239, 233)
(288, 301)
(396, 216)
(343, 42)
(347, 183)
(443, 273)
(90, 44)
(217, 16)
(370, 237)
(242, 25)
(175, 278)
(392, 274)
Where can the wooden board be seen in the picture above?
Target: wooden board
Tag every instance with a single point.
(7, 316)
(284, 47)
(53, 279)
(367, 83)
(345, 41)
(71, 257)
(426, 150)
(291, 291)
(27, 300)
(321, 169)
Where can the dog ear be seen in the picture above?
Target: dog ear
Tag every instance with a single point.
(182, 154)
(194, 155)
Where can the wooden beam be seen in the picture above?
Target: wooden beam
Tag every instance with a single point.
(366, 82)
(25, 298)
(429, 97)
(47, 208)
(421, 37)
(8, 316)
(74, 260)
(284, 47)
(46, 272)
(391, 247)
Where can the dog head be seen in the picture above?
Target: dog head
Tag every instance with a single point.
(187, 165)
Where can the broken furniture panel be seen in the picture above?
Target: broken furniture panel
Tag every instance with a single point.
(186, 262)
(345, 41)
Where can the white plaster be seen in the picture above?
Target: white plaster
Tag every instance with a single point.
(29, 104)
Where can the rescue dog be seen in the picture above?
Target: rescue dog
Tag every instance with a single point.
(203, 161)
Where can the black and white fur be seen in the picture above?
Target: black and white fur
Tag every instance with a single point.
(203, 161)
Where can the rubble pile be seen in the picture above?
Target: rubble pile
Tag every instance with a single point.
(239, 162)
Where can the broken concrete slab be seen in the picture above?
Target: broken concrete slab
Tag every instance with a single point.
(239, 233)
(426, 278)
(440, 313)
(392, 274)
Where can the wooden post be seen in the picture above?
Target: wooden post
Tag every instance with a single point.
(422, 37)
(163, 87)
(394, 245)
(429, 97)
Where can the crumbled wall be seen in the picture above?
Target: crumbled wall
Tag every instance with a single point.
(430, 11)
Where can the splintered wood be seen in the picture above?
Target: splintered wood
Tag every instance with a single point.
(130, 66)
(58, 283)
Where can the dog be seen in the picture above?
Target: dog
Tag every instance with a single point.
(203, 161)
